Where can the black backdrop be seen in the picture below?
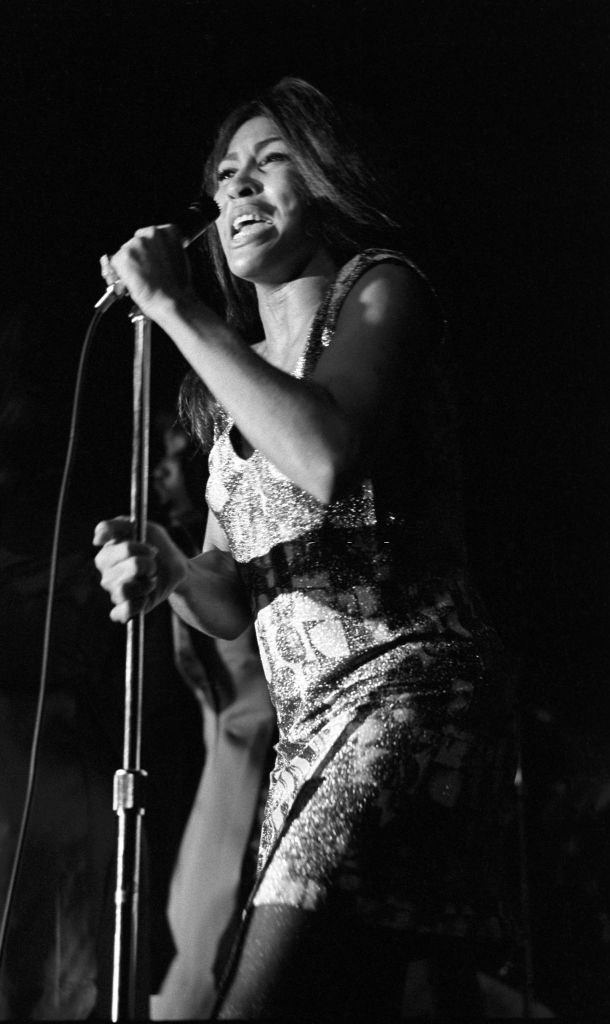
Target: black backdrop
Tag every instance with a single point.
(489, 118)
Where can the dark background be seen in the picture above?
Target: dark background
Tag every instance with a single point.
(488, 123)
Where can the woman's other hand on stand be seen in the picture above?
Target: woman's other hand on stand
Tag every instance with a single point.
(137, 576)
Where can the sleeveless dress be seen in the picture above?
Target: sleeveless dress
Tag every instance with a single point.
(381, 669)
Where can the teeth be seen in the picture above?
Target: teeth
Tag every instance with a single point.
(248, 218)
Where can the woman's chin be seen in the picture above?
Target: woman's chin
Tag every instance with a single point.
(250, 258)
(269, 262)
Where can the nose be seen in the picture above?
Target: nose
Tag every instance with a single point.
(243, 183)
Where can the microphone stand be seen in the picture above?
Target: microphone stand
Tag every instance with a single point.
(129, 782)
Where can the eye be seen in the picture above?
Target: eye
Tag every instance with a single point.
(273, 158)
(225, 173)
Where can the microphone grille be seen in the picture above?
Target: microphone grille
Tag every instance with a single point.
(193, 221)
(205, 206)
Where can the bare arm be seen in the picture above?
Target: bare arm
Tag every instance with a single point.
(211, 596)
(316, 433)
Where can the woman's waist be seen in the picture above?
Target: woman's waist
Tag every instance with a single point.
(318, 621)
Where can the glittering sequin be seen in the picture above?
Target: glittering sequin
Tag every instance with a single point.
(387, 712)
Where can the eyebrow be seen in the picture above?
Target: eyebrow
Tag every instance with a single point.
(259, 145)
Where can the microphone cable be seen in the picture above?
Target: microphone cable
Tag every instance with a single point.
(46, 643)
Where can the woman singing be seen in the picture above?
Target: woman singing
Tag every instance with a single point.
(334, 525)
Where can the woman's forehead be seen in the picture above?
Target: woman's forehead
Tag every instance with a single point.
(253, 132)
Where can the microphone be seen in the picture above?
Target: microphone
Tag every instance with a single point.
(191, 223)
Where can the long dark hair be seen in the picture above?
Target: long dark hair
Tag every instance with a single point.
(340, 193)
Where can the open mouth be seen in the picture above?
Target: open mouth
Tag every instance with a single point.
(248, 223)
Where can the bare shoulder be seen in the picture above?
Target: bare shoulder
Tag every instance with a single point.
(389, 293)
(387, 319)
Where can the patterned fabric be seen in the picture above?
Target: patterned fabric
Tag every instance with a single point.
(378, 661)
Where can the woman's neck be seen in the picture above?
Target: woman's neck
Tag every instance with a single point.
(287, 310)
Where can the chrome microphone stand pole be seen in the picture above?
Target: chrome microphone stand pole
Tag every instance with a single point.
(129, 782)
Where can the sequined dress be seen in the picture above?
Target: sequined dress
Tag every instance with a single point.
(380, 669)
